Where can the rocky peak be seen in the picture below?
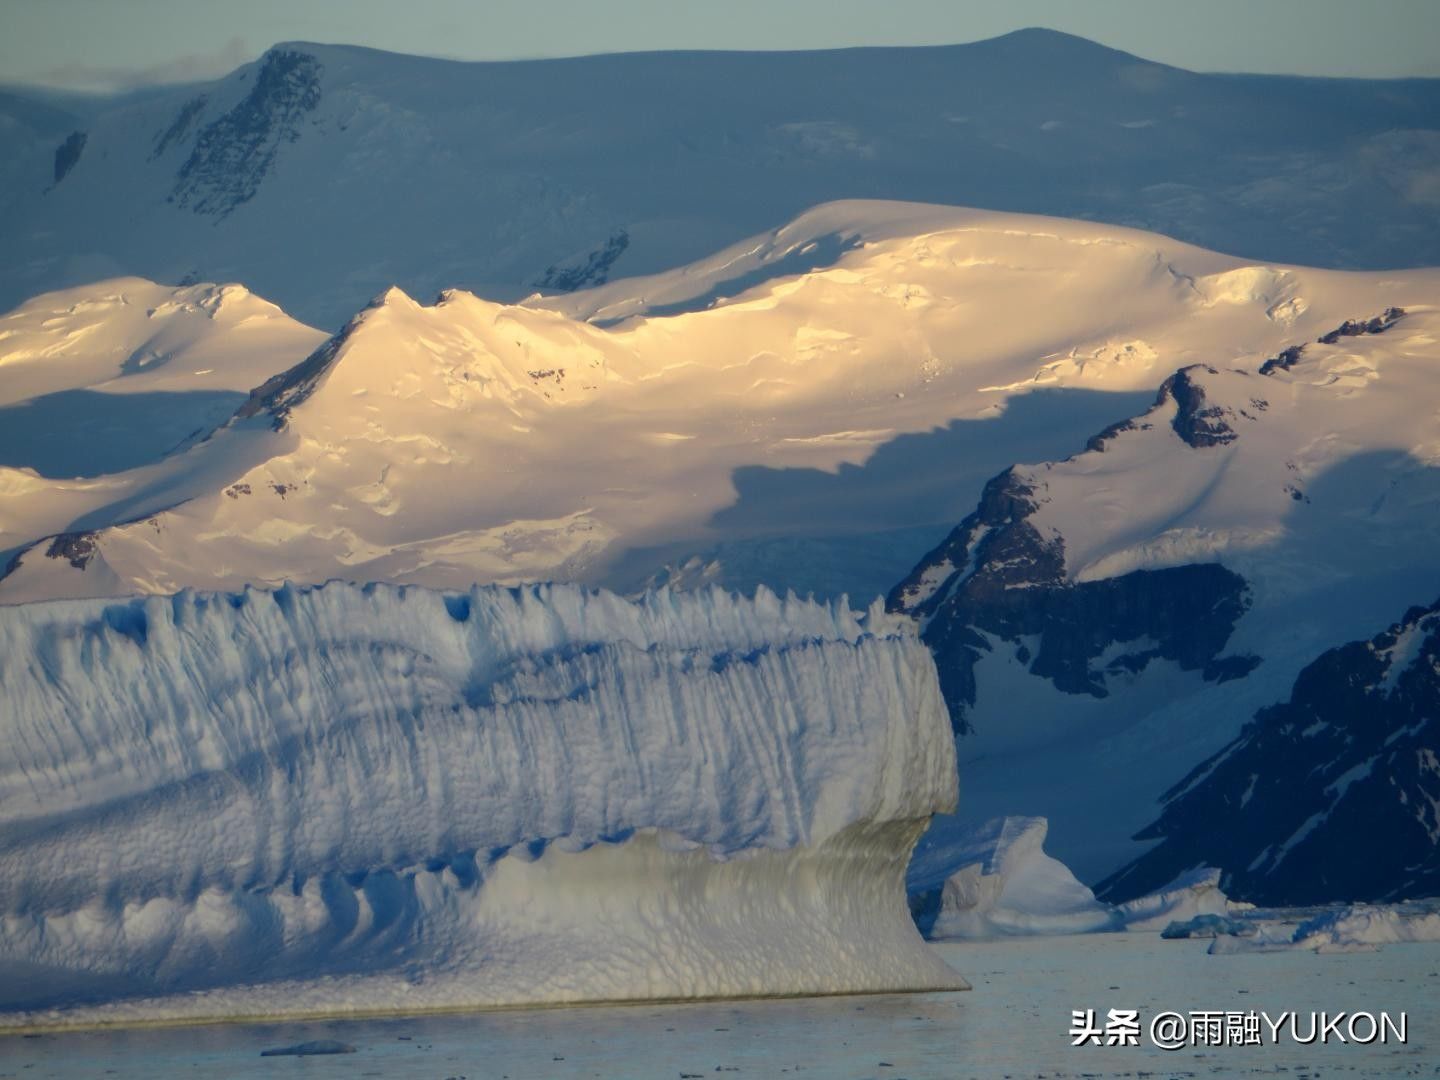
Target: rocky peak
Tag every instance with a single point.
(998, 578)
(1005, 502)
(1197, 421)
(1330, 796)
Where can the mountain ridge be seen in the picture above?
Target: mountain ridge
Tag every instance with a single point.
(534, 165)
(1306, 490)
(1328, 795)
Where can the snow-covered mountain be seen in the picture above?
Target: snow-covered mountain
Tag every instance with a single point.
(102, 386)
(345, 799)
(33, 133)
(105, 377)
(1105, 622)
(854, 409)
(1334, 794)
(319, 175)
(814, 407)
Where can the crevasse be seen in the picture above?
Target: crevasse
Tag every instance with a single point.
(343, 799)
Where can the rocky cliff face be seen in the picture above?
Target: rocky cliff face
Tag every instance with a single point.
(591, 269)
(998, 582)
(235, 153)
(1098, 623)
(67, 154)
(1333, 795)
(1289, 356)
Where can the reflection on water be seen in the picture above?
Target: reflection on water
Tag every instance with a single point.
(1015, 1022)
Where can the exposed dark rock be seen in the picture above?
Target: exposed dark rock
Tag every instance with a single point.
(13, 563)
(1198, 423)
(235, 153)
(77, 548)
(281, 393)
(1099, 441)
(1284, 360)
(1355, 327)
(1288, 357)
(1330, 796)
(594, 269)
(996, 575)
(68, 153)
(179, 127)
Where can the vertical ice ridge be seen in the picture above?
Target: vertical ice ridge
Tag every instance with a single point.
(253, 775)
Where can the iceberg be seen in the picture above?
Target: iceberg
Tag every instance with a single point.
(1340, 929)
(1194, 894)
(342, 799)
(995, 880)
(1207, 926)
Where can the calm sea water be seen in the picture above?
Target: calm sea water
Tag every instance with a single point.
(1015, 1023)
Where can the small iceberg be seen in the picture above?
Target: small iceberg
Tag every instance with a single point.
(1347, 928)
(1191, 896)
(995, 880)
(1207, 926)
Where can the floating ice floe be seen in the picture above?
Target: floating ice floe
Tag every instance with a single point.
(1192, 895)
(1345, 928)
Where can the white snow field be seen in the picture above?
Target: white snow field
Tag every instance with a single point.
(101, 385)
(817, 430)
(129, 336)
(342, 799)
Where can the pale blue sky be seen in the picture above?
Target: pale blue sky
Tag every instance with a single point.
(112, 43)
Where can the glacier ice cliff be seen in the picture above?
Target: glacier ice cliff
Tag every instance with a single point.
(355, 799)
